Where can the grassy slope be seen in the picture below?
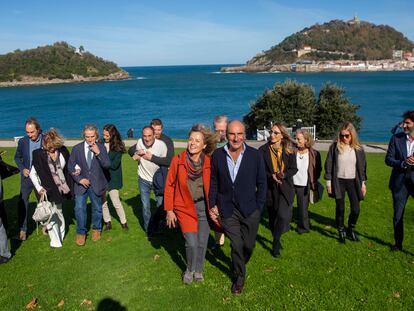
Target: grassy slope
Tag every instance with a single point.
(314, 272)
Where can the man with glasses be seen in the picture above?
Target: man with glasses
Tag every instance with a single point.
(400, 156)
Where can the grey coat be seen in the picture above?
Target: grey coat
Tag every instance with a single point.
(331, 171)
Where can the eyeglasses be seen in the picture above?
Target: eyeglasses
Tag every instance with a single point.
(275, 133)
(344, 135)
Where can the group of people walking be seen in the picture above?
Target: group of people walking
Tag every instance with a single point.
(218, 182)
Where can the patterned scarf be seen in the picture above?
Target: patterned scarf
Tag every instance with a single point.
(277, 161)
(195, 170)
(57, 174)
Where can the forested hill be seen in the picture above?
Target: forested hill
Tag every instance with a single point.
(335, 40)
(58, 61)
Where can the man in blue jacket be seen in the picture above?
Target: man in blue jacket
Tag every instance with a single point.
(87, 163)
(238, 189)
(400, 156)
(23, 158)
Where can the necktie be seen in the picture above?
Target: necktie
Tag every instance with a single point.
(89, 159)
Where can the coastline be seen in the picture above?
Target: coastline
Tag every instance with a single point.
(35, 81)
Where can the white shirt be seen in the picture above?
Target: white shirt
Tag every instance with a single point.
(147, 169)
(87, 149)
(301, 177)
(410, 146)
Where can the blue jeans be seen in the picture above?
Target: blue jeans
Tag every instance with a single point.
(145, 188)
(80, 211)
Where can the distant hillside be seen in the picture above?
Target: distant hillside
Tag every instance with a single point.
(336, 40)
(59, 61)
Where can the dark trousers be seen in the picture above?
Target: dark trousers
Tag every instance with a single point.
(302, 198)
(280, 214)
(242, 233)
(3, 215)
(399, 199)
(347, 186)
(26, 187)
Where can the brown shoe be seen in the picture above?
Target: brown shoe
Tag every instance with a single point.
(80, 239)
(22, 235)
(96, 235)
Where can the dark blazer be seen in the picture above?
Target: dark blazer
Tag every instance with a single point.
(396, 155)
(22, 155)
(247, 193)
(95, 174)
(331, 171)
(45, 176)
(287, 188)
(115, 170)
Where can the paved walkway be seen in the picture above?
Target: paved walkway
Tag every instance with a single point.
(321, 146)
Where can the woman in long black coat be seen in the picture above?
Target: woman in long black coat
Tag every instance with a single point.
(280, 164)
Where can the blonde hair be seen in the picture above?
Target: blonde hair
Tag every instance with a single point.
(52, 139)
(348, 126)
(209, 137)
(309, 142)
(287, 141)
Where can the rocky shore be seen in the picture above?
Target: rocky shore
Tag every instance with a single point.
(28, 80)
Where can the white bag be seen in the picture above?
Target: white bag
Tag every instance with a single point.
(43, 211)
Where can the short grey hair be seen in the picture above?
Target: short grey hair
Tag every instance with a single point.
(90, 127)
(221, 118)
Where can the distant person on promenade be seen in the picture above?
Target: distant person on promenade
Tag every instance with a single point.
(23, 158)
(50, 177)
(308, 161)
(186, 198)
(87, 164)
(130, 133)
(238, 189)
(400, 156)
(148, 144)
(220, 126)
(115, 148)
(280, 166)
(345, 172)
(5, 254)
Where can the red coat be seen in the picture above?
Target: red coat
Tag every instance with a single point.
(177, 195)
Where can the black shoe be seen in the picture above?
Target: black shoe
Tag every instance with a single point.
(352, 235)
(237, 287)
(108, 226)
(276, 248)
(125, 226)
(396, 248)
(4, 259)
(342, 235)
(216, 246)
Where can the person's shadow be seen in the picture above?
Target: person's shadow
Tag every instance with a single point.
(109, 304)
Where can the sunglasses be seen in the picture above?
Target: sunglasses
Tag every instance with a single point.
(344, 135)
(275, 133)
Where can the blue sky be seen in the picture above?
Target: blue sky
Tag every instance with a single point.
(172, 32)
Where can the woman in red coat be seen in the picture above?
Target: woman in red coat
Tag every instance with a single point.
(186, 198)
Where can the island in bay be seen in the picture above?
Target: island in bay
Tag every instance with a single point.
(337, 45)
(56, 63)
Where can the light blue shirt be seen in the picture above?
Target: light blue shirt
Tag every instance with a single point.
(33, 145)
(234, 166)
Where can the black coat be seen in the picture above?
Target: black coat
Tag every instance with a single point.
(46, 180)
(247, 193)
(290, 169)
(331, 164)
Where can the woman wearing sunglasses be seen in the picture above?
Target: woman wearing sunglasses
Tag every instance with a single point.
(280, 165)
(345, 172)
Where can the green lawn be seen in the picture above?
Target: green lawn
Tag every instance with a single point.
(315, 272)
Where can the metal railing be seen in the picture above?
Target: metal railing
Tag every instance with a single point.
(265, 134)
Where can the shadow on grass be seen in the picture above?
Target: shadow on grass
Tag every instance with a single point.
(109, 304)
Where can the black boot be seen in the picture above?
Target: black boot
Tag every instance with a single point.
(276, 248)
(342, 235)
(351, 233)
(108, 226)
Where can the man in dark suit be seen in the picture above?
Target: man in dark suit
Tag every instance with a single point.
(23, 158)
(87, 163)
(238, 189)
(400, 157)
